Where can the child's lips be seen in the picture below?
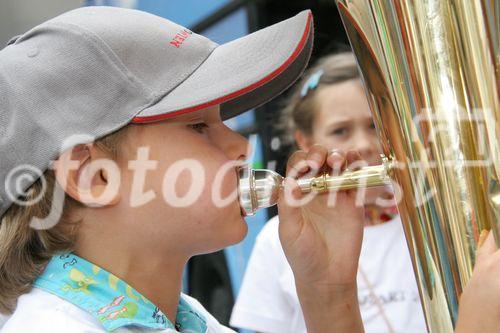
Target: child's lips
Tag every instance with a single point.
(237, 172)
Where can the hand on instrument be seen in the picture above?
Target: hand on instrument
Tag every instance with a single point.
(322, 241)
(479, 309)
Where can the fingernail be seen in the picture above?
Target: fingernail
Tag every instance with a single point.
(336, 157)
(336, 154)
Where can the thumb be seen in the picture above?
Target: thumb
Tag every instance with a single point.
(289, 211)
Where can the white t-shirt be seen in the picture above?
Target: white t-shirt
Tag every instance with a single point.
(42, 312)
(268, 300)
(3, 319)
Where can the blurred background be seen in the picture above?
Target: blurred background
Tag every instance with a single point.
(216, 278)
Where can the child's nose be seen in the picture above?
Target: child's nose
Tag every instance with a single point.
(238, 147)
(365, 145)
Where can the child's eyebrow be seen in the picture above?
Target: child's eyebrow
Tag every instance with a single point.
(342, 121)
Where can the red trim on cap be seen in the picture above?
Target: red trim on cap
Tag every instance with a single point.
(240, 92)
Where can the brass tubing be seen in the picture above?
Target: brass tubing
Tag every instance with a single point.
(370, 176)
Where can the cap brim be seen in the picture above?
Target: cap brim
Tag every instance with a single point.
(242, 74)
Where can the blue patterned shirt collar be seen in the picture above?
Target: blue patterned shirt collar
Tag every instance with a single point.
(111, 300)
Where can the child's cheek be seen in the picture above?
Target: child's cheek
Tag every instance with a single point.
(222, 186)
(185, 184)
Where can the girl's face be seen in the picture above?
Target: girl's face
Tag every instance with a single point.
(190, 173)
(343, 121)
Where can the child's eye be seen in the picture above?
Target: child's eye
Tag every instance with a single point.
(199, 127)
(339, 131)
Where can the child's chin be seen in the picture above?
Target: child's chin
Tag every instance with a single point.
(238, 233)
(243, 231)
(234, 236)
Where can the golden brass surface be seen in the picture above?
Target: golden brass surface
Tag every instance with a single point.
(431, 72)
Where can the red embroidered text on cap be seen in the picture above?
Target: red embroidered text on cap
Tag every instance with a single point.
(180, 38)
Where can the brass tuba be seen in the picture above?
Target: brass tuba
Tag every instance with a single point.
(431, 73)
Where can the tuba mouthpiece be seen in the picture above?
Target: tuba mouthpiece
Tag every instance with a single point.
(258, 188)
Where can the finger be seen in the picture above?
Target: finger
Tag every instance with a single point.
(288, 210)
(336, 161)
(297, 163)
(291, 193)
(354, 161)
(316, 157)
(487, 248)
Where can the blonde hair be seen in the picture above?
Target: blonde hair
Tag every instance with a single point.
(24, 251)
(298, 114)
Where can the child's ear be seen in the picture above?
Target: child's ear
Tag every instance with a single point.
(86, 175)
(303, 141)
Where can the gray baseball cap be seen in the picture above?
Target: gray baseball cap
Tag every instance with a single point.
(93, 70)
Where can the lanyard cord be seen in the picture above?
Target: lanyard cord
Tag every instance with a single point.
(377, 300)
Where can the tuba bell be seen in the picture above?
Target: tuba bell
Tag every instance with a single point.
(431, 75)
(431, 70)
